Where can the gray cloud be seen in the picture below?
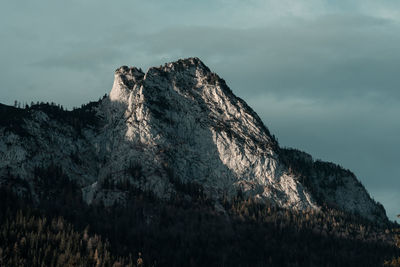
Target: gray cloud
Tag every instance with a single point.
(355, 56)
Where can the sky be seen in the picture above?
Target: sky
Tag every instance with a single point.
(324, 76)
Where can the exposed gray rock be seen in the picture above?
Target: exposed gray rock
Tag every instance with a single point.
(177, 121)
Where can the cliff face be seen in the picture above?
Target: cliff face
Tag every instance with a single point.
(178, 123)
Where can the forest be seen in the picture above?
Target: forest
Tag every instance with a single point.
(189, 229)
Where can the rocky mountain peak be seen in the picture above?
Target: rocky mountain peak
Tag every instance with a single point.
(181, 124)
(125, 79)
(185, 64)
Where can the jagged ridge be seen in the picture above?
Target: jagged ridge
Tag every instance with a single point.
(179, 122)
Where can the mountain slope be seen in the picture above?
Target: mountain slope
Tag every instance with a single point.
(175, 124)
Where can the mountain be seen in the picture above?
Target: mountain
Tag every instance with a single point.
(175, 126)
(173, 167)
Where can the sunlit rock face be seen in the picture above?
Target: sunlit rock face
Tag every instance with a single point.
(177, 121)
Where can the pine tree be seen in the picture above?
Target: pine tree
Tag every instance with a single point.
(395, 262)
(140, 260)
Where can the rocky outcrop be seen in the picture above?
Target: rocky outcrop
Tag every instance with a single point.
(177, 122)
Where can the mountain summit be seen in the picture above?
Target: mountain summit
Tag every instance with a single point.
(173, 126)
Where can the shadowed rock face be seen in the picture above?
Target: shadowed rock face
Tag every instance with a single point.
(180, 121)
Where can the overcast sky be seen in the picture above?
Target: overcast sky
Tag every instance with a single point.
(323, 75)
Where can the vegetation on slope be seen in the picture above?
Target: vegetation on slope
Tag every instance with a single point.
(187, 230)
